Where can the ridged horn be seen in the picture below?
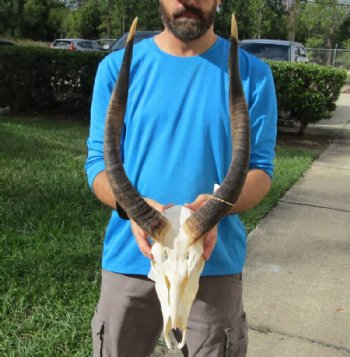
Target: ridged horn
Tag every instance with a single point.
(148, 218)
(203, 220)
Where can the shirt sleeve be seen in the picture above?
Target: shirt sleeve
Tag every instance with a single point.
(103, 86)
(263, 119)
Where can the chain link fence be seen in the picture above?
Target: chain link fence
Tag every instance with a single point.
(330, 57)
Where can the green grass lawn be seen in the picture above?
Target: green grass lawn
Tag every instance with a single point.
(51, 233)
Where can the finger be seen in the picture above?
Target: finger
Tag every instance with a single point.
(209, 243)
(141, 240)
(145, 247)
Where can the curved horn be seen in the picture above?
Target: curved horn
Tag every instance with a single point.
(149, 219)
(203, 220)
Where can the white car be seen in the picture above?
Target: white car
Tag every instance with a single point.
(77, 44)
(276, 50)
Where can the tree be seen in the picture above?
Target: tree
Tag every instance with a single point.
(344, 57)
(343, 34)
(149, 16)
(35, 16)
(266, 21)
(280, 6)
(255, 19)
(11, 16)
(112, 18)
(70, 25)
(89, 19)
(55, 21)
(38, 20)
(322, 20)
(6, 13)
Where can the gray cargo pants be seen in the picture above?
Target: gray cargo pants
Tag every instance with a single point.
(128, 319)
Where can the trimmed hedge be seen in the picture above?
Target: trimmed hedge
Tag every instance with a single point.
(34, 78)
(309, 91)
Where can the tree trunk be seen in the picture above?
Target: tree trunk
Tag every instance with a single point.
(329, 38)
(292, 21)
(302, 129)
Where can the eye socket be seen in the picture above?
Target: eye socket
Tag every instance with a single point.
(164, 255)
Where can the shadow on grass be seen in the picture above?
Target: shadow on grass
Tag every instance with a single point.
(24, 145)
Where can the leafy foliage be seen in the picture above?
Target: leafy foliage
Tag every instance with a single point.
(344, 33)
(35, 19)
(319, 20)
(309, 91)
(34, 77)
(255, 18)
(89, 19)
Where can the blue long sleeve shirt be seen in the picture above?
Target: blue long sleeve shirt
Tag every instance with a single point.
(176, 141)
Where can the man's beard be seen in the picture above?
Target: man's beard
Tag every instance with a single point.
(188, 28)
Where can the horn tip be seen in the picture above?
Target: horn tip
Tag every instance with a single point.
(234, 30)
(132, 30)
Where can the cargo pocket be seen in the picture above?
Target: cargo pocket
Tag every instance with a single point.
(237, 338)
(98, 335)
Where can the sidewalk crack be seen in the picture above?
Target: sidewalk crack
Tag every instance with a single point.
(331, 167)
(313, 205)
(267, 331)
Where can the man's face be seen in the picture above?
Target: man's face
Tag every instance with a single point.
(188, 20)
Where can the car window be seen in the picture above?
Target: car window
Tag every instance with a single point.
(268, 51)
(62, 44)
(84, 44)
(120, 43)
(95, 46)
(296, 52)
(302, 51)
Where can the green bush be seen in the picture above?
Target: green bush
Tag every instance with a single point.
(309, 91)
(34, 78)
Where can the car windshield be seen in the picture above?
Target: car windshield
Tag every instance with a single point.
(120, 43)
(268, 51)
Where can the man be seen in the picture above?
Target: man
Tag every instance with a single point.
(176, 145)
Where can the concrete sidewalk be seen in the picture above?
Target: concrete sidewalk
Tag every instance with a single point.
(297, 275)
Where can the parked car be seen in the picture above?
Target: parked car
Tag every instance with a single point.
(139, 36)
(4, 42)
(276, 50)
(75, 44)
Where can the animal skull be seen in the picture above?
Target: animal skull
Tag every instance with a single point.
(176, 268)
